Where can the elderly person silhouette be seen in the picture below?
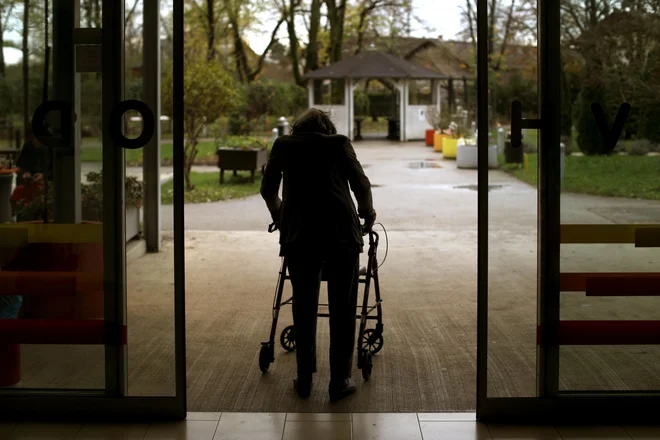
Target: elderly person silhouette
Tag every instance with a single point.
(320, 229)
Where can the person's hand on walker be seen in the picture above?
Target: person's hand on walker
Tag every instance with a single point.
(369, 221)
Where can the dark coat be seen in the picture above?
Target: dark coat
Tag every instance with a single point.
(316, 213)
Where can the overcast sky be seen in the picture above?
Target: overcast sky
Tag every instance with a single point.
(442, 16)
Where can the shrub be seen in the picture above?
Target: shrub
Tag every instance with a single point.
(362, 107)
(239, 125)
(589, 138)
(243, 142)
(269, 97)
(639, 148)
(649, 121)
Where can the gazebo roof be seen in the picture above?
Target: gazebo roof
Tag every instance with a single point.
(376, 65)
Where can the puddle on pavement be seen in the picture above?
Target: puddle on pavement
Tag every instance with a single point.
(475, 187)
(424, 164)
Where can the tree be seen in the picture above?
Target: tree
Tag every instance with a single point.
(6, 10)
(508, 22)
(336, 18)
(26, 67)
(225, 22)
(209, 92)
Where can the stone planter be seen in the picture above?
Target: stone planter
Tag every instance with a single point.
(468, 156)
(132, 223)
(241, 160)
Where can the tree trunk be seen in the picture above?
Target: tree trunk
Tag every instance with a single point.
(336, 18)
(210, 16)
(293, 40)
(361, 28)
(2, 47)
(26, 68)
(97, 13)
(239, 51)
(312, 51)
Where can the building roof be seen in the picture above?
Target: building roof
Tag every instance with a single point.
(377, 65)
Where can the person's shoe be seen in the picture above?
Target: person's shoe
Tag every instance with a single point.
(303, 386)
(344, 389)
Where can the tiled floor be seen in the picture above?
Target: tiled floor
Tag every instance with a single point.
(264, 426)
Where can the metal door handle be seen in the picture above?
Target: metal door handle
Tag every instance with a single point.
(518, 124)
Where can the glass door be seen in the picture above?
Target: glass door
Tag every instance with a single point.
(87, 329)
(568, 324)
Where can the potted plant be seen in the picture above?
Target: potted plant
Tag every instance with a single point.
(242, 153)
(434, 119)
(467, 154)
(450, 143)
(7, 171)
(28, 202)
(91, 199)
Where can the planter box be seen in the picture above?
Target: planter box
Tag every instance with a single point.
(132, 223)
(449, 146)
(467, 156)
(437, 141)
(430, 134)
(241, 160)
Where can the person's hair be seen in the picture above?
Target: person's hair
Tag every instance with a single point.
(313, 121)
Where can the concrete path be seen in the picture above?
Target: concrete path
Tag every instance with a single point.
(409, 198)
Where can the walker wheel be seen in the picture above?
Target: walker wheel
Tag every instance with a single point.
(367, 364)
(288, 338)
(266, 356)
(371, 341)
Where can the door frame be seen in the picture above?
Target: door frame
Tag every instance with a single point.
(112, 403)
(551, 406)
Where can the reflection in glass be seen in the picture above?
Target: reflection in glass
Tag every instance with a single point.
(606, 196)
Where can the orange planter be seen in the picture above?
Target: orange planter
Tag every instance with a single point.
(437, 141)
(430, 134)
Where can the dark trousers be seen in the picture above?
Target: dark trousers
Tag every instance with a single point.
(341, 270)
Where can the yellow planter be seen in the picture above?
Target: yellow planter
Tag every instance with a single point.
(449, 147)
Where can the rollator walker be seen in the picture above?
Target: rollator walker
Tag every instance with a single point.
(370, 340)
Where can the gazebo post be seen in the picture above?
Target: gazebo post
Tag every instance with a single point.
(310, 93)
(348, 102)
(403, 109)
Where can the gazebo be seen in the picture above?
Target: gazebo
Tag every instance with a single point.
(378, 66)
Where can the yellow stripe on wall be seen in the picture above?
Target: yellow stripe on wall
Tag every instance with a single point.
(640, 235)
(55, 233)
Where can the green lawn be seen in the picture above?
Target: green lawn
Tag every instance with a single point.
(205, 156)
(208, 188)
(612, 176)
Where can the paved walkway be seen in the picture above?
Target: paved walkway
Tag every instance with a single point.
(409, 198)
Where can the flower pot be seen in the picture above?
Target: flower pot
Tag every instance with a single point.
(132, 223)
(449, 148)
(437, 141)
(467, 156)
(429, 137)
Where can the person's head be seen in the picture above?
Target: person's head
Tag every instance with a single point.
(313, 121)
